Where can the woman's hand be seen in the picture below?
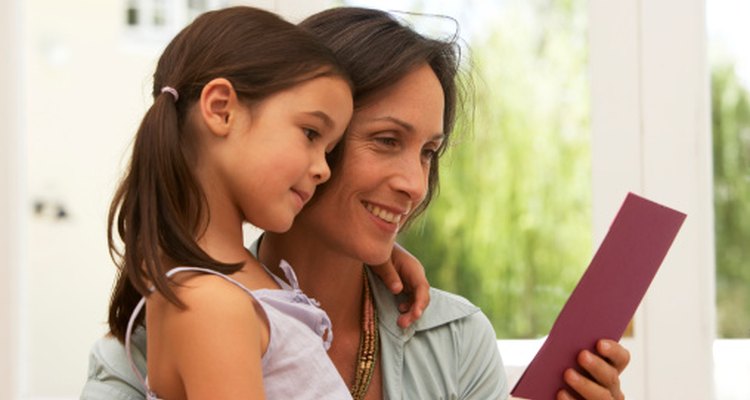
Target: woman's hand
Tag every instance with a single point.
(404, 273)
(604, 368)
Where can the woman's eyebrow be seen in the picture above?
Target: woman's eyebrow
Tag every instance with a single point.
(438, 137)
(407, 126)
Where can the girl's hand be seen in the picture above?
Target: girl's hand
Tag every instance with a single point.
(604, 368)
(404, 273)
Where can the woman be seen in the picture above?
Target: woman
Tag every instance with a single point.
(383, 174)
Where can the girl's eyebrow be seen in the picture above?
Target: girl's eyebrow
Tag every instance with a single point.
(327, 120)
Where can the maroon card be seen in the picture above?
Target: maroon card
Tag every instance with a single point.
(607, 295)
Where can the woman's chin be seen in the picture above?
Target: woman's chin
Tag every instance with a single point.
(377, 256)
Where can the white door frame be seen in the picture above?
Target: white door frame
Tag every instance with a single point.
(651, 134)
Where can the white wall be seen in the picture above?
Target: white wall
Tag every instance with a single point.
(84, 90)
(651, 135)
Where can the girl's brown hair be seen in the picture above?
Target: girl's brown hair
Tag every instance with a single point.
(159, 206)
(377, 50)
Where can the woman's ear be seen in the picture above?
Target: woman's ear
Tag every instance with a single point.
(218, 105)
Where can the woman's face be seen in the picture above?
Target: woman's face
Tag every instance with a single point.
(382, 175)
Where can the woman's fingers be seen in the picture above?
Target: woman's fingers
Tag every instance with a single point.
(603, 369)
(587, 388)
(614, 353)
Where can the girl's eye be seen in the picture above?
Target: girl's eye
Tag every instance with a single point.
(311, 134)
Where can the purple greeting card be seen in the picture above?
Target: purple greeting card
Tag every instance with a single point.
(607, 295)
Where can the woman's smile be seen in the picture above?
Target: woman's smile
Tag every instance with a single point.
(385, 214)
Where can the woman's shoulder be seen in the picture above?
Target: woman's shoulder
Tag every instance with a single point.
(110, 375)
(468, 362)
(443, 300)
(445, 308)
(448, 308)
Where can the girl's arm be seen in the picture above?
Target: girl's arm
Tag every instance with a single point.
(404, 273)
(213, 348)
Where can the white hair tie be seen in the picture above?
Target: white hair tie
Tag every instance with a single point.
(171, 91)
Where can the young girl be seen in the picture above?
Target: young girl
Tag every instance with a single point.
(246, 106)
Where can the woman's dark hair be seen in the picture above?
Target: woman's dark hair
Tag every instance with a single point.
(159, 207)
(377, 50)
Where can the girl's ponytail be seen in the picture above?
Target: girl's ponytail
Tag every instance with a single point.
(157, 211)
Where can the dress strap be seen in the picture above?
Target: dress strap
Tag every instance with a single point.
(291, 277)
(293, 301)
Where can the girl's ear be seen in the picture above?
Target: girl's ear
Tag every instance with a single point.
(218, 105)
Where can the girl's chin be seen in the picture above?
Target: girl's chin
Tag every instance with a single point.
(280, 225)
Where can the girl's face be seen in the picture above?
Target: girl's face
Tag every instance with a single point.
(383, 171)
(277, 154)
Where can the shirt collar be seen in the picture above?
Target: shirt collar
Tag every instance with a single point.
(444, 308)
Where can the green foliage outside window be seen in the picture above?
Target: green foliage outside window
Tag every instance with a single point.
(511, 227)
(730, 103)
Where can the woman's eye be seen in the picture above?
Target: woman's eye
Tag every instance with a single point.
(388, 141)
(311, 134)
(428, 154)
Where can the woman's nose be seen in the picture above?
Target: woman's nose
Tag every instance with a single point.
(411, 177)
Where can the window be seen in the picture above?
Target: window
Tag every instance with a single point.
(730, 103)
(159, 20)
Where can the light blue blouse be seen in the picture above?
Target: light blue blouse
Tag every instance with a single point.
(449, 353)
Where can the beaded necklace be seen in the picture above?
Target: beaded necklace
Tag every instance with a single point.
(368, 344)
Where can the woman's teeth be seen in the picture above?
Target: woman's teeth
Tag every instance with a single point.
(383, 214)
